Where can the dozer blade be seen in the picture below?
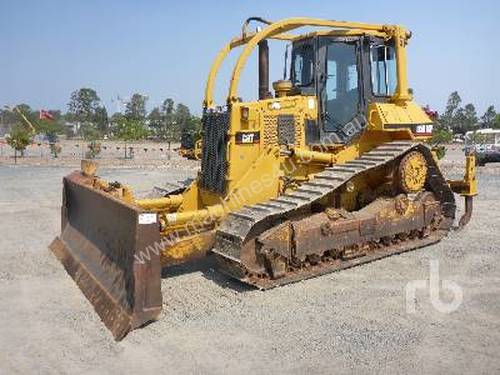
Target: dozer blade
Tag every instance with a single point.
(104, 246)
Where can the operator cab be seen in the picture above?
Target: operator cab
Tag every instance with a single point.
(344, 73)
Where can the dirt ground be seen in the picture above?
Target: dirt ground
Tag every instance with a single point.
(355, 321)
(146, 154)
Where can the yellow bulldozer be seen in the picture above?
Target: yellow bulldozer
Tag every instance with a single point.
(191, 146)
(330, 171)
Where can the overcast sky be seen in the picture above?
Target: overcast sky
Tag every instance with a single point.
(165, 48)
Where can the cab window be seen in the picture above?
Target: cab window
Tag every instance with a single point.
(383, 66)
(342, 96)
(303, 65)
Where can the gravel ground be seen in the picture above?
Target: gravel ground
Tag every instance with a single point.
(354, 321)
(147, 154)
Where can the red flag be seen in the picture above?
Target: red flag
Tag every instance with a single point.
(429, 112)
(46, 115)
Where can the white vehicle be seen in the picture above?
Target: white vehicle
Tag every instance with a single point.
(485, 143)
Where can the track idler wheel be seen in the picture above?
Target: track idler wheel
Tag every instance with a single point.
(412, 172)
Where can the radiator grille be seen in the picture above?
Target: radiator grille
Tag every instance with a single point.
(270, 132)
(286, 129)
(215, 126)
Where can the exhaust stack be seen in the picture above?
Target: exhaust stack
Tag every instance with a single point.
(264, 70)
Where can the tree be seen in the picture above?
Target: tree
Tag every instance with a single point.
(136, 108)
(441, 135)
(8, 117)
(51, 128)
(115, 120)
(127, 129)
(168, 106)
(29, 113)
(89, 132)
(101, 120)
(452, 107)
(165, 120)
(24, 116)
(186, 122)
(182, 116)
(19, 139)
(458, 119)
(470, 120)
(488, 118)
(496, 123)
(477, 138)
(156, 121)
(21, 114)
(194, 125)
(131, 130)
(86, 110)
(83, 104)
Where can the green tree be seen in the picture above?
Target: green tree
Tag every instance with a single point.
(182, 116)
(101, 120)
(8, 117)
(127, 129)
(136, 108)
(488, 118)
(83, 105)
(496, 122)
(11, 116)
(187, 124)
(156, 121)
(114, 121)
(478, 138)
(441, 136)
(470, 117)
(167, 121)
(452, 108)
(86, 110)
(51, 128)
(194, 125)
(465, 119)
(89, 132)
(24, 116)
(168, 106)
(19, 138)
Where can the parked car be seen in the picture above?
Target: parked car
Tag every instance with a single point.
(485, 143)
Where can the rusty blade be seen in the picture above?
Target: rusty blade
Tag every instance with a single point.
(105, 249)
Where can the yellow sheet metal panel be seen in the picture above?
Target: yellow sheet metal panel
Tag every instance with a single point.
(391, 113)
(408, 121)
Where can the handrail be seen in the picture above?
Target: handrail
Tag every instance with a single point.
(221, 56)
(279, 30)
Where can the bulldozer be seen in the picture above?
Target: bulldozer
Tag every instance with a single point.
(191, 146)
(329, 171)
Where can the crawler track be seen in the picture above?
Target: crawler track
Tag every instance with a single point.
(248, 223)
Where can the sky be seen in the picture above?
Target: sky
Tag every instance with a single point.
(165, 48)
